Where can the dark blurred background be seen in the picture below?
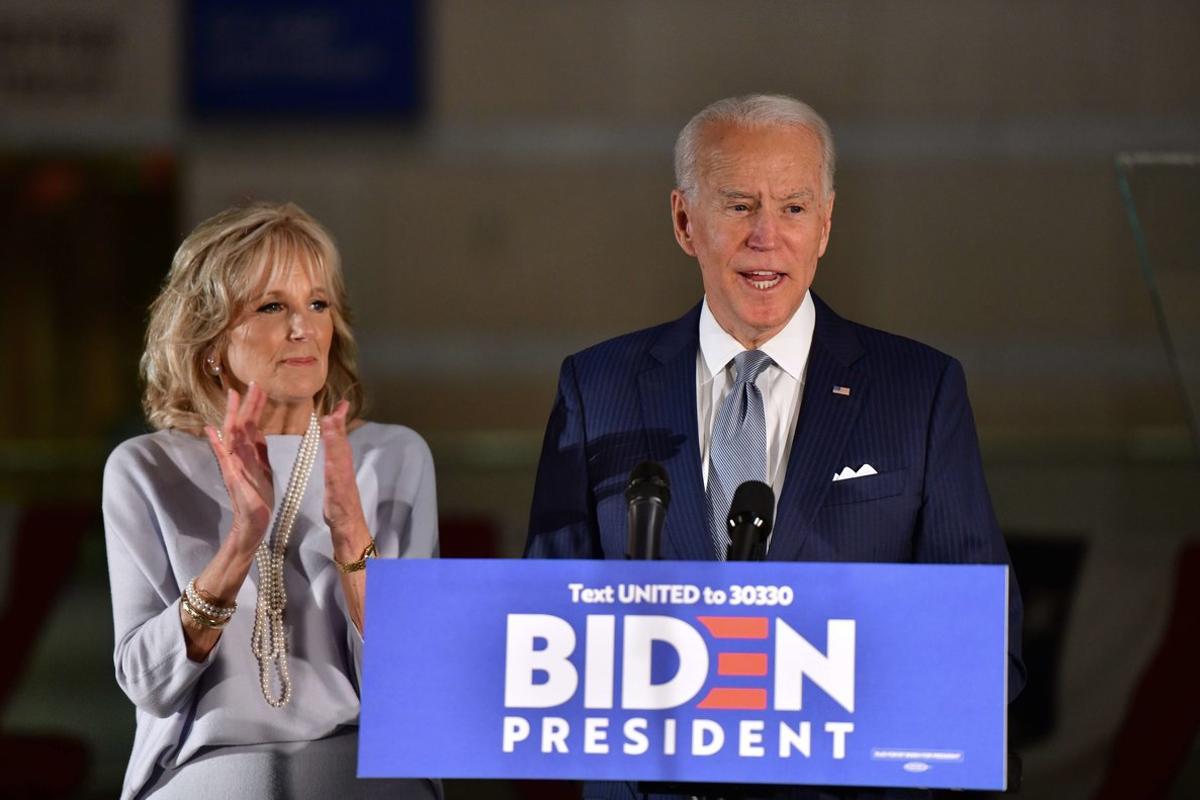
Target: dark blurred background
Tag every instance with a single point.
(1017, 186)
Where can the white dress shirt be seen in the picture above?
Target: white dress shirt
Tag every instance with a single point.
(781, 383)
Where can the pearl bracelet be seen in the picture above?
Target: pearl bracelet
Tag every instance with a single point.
(211, 610)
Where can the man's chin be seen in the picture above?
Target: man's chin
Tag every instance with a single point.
(768, 316)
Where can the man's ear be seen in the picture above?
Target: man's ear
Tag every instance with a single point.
(682, 222)
(826, 225)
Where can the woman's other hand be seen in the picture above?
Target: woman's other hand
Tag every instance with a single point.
(343, 510)
(343, 507)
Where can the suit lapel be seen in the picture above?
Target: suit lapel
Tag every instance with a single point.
(667, 390)
(822, 429)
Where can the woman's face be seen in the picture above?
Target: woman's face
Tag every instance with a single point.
(281, 339)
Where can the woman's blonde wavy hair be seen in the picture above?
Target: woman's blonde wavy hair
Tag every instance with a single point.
(217, 271)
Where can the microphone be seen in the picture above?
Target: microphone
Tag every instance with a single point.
(648, 495)
(751, 515)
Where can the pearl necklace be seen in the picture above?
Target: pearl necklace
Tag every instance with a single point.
(269, 641)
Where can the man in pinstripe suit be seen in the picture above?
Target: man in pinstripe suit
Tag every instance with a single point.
(870, 441)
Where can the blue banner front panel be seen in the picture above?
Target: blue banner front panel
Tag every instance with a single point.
(831, 674)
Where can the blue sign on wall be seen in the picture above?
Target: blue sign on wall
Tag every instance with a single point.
(833, 674)
(312, 58)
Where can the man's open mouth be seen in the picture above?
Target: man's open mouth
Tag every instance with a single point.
(763, 279)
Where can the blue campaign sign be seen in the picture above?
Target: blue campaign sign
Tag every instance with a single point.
(750, 672)
(305, 58)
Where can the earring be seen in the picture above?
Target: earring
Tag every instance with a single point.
(213, 367)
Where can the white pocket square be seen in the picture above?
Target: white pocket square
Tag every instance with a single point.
(849, 474)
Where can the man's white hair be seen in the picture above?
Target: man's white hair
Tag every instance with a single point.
(750, 111)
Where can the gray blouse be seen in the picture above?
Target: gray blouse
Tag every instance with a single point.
(165, 512)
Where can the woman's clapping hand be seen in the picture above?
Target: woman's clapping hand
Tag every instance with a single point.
(241, 451)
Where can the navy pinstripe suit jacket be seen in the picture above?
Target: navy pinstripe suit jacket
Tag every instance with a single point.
(633, 398)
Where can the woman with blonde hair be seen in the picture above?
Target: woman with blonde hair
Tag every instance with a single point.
(238, 532)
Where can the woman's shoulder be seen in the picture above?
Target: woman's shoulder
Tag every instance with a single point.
(150, 452)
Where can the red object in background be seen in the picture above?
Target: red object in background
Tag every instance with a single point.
(39, 766)
(468, 537)
(1163, 718)
(54, 185)
(42, 767)
(546, 790)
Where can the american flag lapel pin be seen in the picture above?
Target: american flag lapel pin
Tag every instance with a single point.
(844, 391)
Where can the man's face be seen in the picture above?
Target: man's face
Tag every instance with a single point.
(757, 221)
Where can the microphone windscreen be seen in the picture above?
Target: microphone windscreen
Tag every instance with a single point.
(648, 480)
(755, 498)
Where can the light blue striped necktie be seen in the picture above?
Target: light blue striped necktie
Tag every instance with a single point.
(738, 450)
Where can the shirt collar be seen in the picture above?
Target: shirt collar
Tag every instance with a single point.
(788, 348)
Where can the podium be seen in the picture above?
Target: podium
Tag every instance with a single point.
(687, 672)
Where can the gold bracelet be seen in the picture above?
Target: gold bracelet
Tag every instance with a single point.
(199, 618)
(355, 566)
